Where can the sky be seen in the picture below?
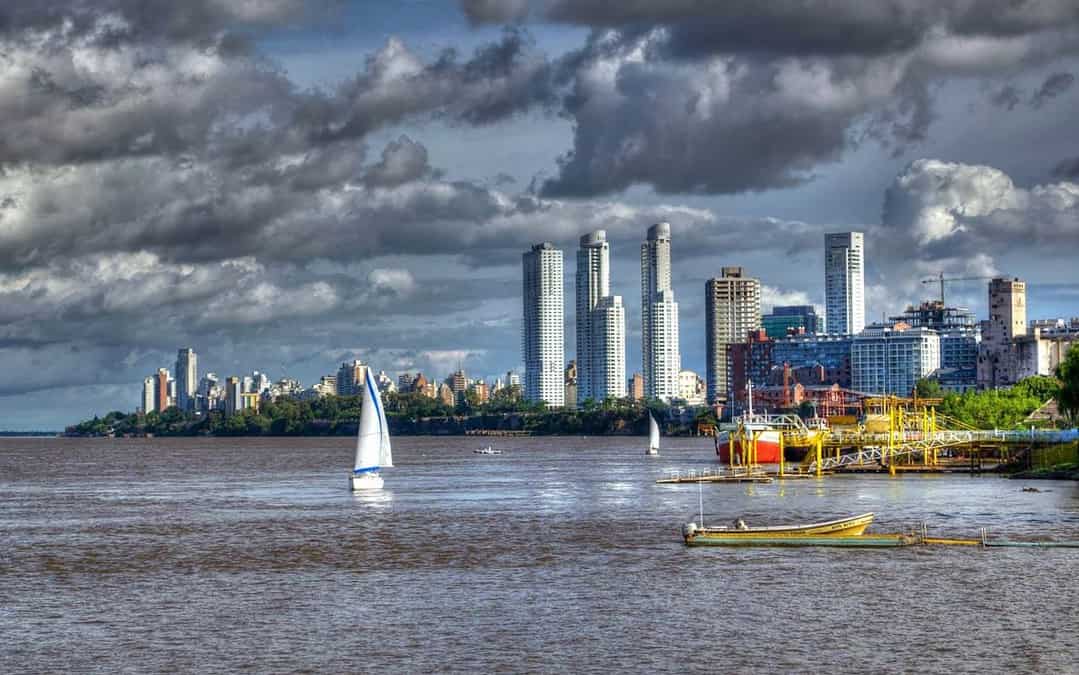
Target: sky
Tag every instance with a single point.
(286, 184)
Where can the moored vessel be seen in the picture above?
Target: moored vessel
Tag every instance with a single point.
(739, 532)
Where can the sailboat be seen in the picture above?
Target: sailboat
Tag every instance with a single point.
(373, 440)
(653, 436)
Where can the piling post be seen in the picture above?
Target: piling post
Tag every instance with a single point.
(782, 449)
(818, 446)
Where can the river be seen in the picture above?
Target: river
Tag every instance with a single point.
(561, 555)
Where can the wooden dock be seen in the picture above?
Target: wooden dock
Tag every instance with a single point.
(717, 478)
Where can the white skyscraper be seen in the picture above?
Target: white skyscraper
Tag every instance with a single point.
(732, 308)
(542, 333)
(601, 338)
(660, 354)
(187, 378)
(844, 282)
(608, 362)
(148, 403)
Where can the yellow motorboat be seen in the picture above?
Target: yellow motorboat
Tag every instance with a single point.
(739, 532)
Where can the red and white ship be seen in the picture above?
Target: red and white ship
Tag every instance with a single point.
(767, 442)
(767, 430)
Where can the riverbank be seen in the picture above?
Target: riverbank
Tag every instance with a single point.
(1058, 472)
(1059, 462)
(406, 414)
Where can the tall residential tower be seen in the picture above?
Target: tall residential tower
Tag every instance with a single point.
(601, 327)
(542, 331)
(660, 355)
(732, 308)
(844, 282)
(187, 378)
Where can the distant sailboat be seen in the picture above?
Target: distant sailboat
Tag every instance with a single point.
(653, 436)
(373, 441)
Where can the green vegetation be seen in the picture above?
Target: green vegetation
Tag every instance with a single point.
(928, 388)
(1000, 408)
(1068, 374)
(410, 413)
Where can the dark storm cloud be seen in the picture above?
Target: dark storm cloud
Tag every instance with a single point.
(729, 97)
(1007, 96)
(1054, 85)
(138, 20)
(1069, 168)
(500, 80)
(403, 161)
(886, 23)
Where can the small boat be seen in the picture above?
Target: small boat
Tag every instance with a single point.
(653, 436)
(372, 441)
(739, 533)
(487, 451)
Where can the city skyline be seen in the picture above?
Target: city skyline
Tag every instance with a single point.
(239, 178)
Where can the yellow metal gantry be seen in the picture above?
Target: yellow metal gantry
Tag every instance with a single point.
(896, 432)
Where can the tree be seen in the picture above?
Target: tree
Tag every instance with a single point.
(1040, 387)
(928, 388)
(1068, 372)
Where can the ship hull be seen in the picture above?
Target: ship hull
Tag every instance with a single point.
(768, 451)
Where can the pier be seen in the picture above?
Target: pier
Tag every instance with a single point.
(899, 435)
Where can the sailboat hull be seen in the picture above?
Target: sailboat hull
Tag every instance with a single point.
(366, 481)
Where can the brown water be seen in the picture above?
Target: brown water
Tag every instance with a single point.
(251, 555)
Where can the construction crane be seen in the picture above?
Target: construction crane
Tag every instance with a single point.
(940, 279)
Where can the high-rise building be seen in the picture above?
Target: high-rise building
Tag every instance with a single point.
(148, 402)
(660, 354)
(788, 319)
(161, 390)
(404, 382)
(593, 283)
(187, 378)
(234, 390)
(260, 382)
(458, 385)
(844, 282)
(542, 338)
(609, 349)
(997, 357)
(732, 309)
(350, 378)
(601, 324)
(636, 387)
(891, 361)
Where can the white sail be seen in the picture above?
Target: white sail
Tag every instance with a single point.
(373, 440)
(653, 433)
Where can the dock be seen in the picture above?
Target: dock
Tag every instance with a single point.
(693, 477)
